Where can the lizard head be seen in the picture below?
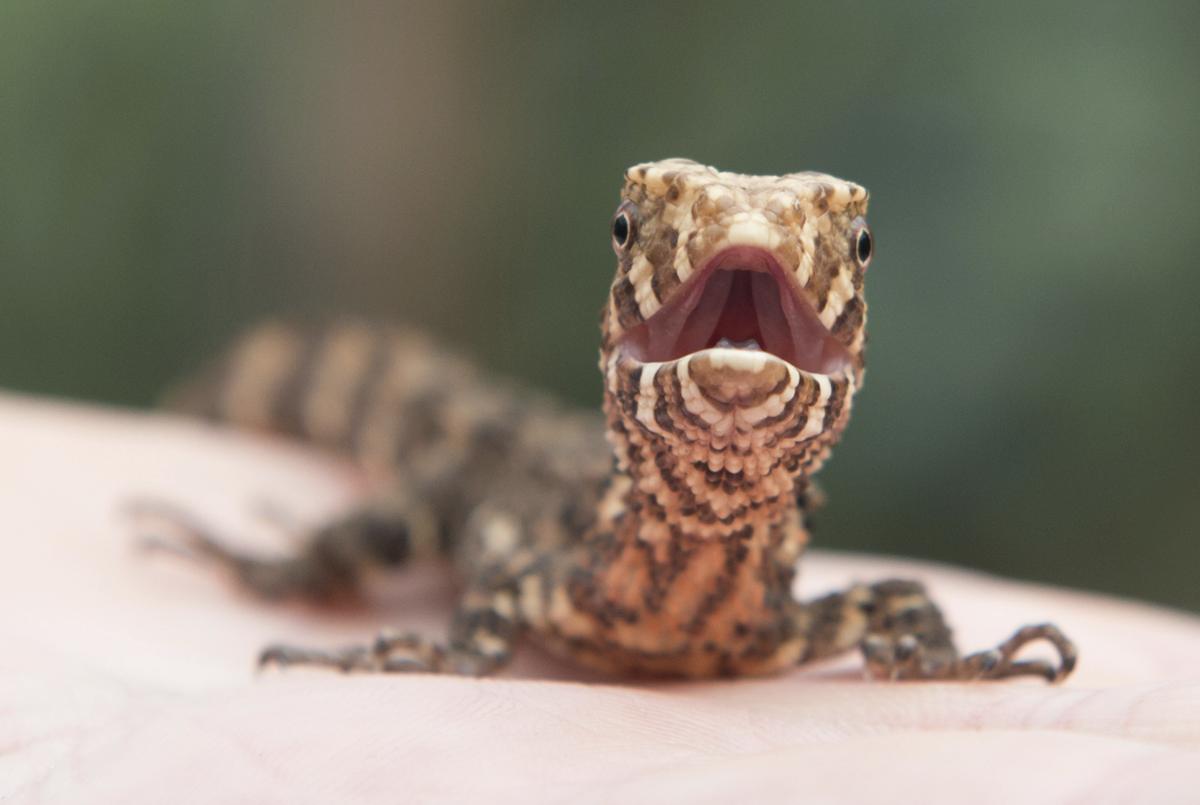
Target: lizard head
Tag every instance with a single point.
(737, 306)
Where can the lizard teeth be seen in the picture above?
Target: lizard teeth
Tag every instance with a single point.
(749, 343)
(741, 360)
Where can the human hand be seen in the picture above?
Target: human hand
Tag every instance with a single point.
(126, 677)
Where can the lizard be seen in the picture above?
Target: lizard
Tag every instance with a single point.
(658, 539)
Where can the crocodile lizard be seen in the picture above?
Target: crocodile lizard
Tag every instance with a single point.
(732, 345)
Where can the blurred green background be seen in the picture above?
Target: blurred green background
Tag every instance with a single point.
(170, 172)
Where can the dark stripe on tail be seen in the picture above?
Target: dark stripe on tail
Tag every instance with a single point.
(317, 384)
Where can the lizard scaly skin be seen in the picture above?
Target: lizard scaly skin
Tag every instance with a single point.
(732, 348)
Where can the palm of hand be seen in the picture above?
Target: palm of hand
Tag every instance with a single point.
(123, 679)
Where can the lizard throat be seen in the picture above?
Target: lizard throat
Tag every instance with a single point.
(741, 299)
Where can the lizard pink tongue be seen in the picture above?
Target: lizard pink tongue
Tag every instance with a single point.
(697, 325)
(738, 307)
(666, 337)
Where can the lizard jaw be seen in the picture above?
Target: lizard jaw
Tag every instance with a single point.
(741, 300)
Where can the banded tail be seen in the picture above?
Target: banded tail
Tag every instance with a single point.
(373, 391)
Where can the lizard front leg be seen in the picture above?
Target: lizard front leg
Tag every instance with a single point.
(484, 631)
(903, 635)
(488, 621)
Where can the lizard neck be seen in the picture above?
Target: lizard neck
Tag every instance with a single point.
(699, 531)
(708, 451)
(697, 526)
(687, 519)
(710, 464)
(672, 493)
(669, 588)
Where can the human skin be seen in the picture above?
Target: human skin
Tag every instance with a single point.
(127, 676)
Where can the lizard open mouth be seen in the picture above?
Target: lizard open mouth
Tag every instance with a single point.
(740, 299)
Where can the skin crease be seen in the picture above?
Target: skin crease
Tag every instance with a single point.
(124, 676)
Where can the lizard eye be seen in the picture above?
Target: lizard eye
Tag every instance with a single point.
(863, 245)
(624, 227)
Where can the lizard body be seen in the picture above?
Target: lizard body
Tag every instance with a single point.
(732, 346)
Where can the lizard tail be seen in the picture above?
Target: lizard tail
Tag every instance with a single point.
(350, 387)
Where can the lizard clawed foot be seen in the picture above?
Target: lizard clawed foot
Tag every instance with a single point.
(999, 663)
(906, 658)
(190, 538)
(300, 575)
(389, 653)
(903, 658)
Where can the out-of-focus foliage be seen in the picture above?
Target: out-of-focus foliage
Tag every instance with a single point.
(172, 171)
